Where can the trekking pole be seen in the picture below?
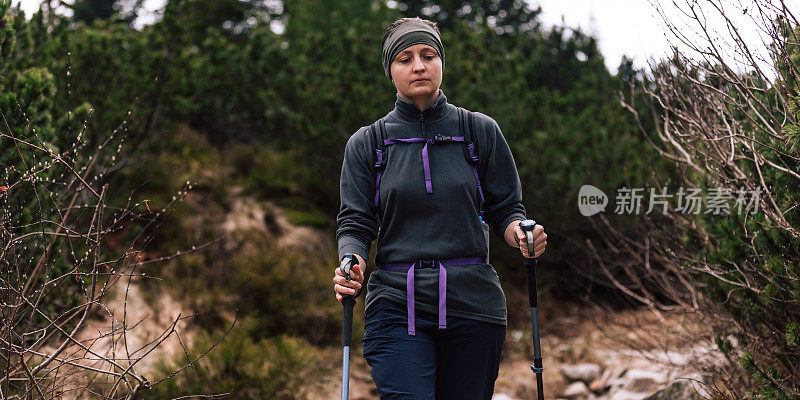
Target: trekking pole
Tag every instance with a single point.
(530, 266)
(348, 301)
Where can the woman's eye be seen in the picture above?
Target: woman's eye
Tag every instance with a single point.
(429, 57)
(405, 60)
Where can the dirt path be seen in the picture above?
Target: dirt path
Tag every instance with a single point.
(147, 319)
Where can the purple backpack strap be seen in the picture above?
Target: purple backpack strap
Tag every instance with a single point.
(466, 123)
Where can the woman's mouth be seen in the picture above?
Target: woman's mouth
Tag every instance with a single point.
(419, 80)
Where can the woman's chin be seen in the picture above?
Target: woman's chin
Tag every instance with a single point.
(418, 90)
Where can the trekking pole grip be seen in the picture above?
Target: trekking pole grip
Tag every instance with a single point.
(347, 328)
(348, 300)
(530, 262)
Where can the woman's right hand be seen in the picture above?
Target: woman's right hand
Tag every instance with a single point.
(351, 287)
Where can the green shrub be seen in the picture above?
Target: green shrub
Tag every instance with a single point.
(244, 366)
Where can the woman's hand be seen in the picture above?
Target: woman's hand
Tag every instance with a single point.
(539, 240)
(340, 286)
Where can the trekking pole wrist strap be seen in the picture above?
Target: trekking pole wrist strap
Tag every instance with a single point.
(346, 265)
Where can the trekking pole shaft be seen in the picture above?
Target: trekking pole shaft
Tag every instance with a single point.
(346, 374)
(534, 303)
(530, 267)
(347, 334)
(348, 302)
(539, 385)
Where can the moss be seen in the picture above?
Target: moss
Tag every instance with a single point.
(308, 217)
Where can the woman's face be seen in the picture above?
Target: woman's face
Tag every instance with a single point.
(417, 72)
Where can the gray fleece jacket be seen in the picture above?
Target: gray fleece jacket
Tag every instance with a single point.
(412, 224)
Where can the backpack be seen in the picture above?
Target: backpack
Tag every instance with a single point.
(466, 123)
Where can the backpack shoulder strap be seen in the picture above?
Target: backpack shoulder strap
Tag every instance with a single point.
(466, 120)
(378, 134)
(467, 123)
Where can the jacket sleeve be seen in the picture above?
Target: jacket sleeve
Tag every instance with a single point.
(357, 224)
(501, 186)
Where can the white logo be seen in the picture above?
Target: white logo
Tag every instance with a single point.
(591, 200)
(718, 201)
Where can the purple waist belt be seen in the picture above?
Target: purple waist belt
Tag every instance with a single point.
(442, 284)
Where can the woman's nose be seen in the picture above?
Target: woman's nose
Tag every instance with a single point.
(418, 64)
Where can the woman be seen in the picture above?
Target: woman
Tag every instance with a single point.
(435, 313)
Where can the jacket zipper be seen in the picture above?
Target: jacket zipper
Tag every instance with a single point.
(422, 125)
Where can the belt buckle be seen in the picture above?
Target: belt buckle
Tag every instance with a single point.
(426, 263)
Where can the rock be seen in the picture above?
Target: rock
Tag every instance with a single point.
(603, 383)
(585, 373)
(678, 390)
(642, 381)
(502, 396)
(622, 395)
(576, 391)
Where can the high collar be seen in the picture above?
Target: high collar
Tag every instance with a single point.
(409, 112)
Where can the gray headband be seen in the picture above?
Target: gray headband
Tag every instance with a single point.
(408, 34)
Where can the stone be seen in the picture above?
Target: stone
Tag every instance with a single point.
(603, 383)
(502, 396)
(622, 395)
(576, 391)
(585, 373)
(643, 381)
(678, 390)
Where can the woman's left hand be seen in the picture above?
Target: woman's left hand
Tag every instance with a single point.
(539, 240)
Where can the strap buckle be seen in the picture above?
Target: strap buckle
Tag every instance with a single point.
(427, 263)
(380, 163)
(441, 138)
(472, 155)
